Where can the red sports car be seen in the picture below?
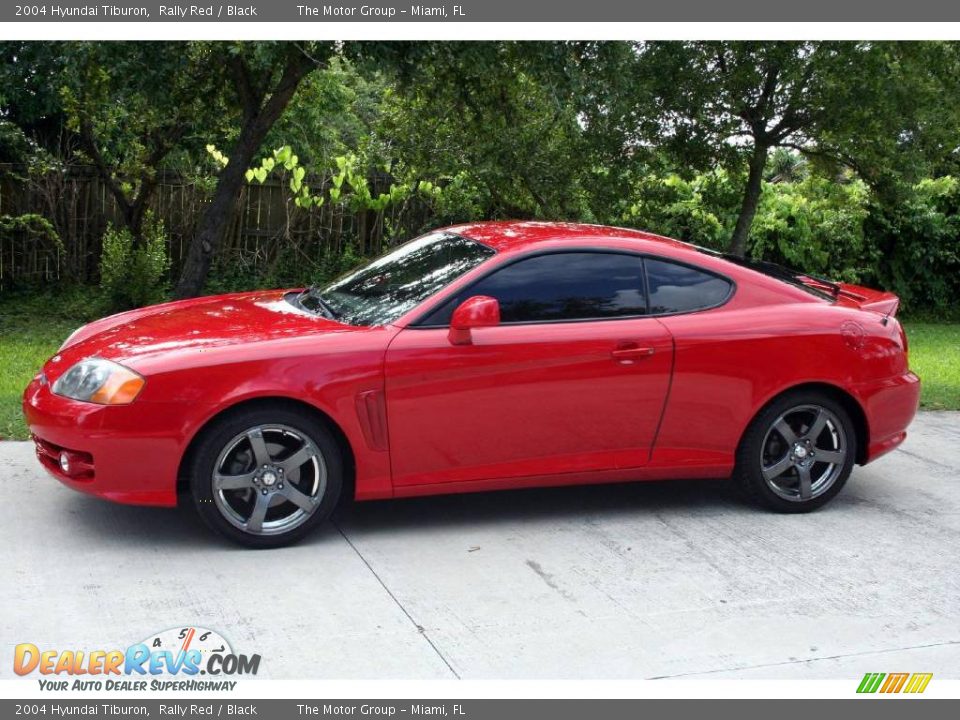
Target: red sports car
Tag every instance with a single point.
(480, 357)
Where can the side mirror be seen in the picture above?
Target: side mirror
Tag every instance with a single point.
(477, 311)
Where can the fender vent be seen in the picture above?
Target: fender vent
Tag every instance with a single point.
(372, 412)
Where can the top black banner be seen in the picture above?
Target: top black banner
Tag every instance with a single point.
(483, 11)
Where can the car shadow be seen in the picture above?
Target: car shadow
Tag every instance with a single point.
(538, 505)
(181, 527)
(178, 527)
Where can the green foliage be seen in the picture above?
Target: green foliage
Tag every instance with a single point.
(30, 102)
(289, 269)
(15, 146)
(73, 303)
(137, 106)
(700, 210)
(31, 225)
(337, 110)
(816, 225)
(505, 112)
(334, 264)
(134, 274)
(860, 138)
(832, 226)
(873, 107)
(918, 239)
(349, 182)
(455, 199)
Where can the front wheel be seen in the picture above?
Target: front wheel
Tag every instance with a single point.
(265, 477)
(797, 453)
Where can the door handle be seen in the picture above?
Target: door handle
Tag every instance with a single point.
(629, 353)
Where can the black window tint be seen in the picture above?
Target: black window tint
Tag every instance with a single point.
(561, 286)
(680, 288)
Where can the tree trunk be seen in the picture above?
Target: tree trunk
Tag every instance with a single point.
(751, 199)
(259, 116)
(132, 210)
(137, 210)
(216, 218)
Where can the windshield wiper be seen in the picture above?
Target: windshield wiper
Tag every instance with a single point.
(313, 293)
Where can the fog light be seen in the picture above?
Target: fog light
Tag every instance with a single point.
(65, 462)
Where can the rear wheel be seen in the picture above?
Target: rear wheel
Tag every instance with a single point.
(266, 477)
(797, 453)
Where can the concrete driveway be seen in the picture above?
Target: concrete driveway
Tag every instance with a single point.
(641, 581)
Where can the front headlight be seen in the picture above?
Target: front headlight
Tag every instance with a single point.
(99, 381)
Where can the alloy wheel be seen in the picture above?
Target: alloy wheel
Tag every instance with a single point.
(803, 453)
(269, 479)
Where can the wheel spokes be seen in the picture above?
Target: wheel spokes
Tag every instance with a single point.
(834, 457)
(260, 453)
(786, 432)
(805, 481)
(255, 521)
(233, 482)
(819, 423)
(301, 500)
(778, 468)
(295, 461)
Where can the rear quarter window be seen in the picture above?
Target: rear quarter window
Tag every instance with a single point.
(676, 288)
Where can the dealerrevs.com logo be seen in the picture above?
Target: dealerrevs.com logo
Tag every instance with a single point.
(174, 659)
(888, 683)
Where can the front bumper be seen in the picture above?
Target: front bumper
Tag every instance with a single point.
(134, 455)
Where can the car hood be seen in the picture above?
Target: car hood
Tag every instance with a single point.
(197, 324)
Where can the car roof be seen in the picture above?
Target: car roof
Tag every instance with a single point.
(505, 235)
(508, 236)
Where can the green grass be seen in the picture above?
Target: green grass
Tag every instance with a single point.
(24, 347)
(28, 339)
(935, 357)
(33, 324)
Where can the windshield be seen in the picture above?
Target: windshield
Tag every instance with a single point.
(386, 288)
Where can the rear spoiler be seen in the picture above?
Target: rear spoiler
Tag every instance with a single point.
(882, 303)
(878, 301)
(887, 306)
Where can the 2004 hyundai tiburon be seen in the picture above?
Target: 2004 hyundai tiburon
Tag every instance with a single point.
(479, 357)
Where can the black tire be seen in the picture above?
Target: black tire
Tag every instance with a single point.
(762, 444)
(319, 478)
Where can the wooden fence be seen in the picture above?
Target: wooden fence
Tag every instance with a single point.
(80, 207)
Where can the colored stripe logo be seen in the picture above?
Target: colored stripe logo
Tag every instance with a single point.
(918, 682)
(894, 682)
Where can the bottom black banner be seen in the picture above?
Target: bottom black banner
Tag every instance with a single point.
(876, 708)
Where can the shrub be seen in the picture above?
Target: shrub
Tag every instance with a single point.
(918, 237)
(816, 225)
(701, 210)
(134, 274)
(332, 265)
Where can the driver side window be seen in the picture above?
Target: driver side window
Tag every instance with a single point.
(562, 286)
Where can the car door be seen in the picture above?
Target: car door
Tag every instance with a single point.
(573, 379)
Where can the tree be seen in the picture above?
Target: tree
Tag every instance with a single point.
(262, 78)
(502, 112)
(875, 107)
(131, 105)
(30, 102)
